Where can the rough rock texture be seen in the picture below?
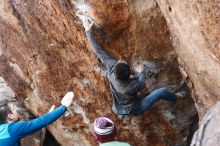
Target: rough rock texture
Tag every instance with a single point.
(208, 132)
(195, 28)
(44, 53)
(6, 93)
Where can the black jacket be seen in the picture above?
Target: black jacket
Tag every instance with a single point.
(124, 92)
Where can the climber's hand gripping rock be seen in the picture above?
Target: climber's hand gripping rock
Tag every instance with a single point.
(87, 21)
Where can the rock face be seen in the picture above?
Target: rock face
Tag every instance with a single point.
(195, 29)
(6, 93)
(44, 53)
(208, 132)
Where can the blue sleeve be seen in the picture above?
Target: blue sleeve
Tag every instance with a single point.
(21, 129)
(106, 59)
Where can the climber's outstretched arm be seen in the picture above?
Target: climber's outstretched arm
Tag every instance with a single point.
(19, 130)
(106, 59)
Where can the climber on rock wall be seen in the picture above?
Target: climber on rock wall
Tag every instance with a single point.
(12, 130)
(124, 86)
(104, 131)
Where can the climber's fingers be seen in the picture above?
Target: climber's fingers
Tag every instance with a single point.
(87, 22)
(79, 15)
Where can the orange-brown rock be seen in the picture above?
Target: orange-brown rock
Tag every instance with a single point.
(44, 53)
(195, 29)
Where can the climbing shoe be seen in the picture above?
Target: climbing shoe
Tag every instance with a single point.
(182, 93)
(176, 87)
(181, 85)
(121, 117)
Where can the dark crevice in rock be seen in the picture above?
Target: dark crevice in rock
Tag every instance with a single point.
(193, 127)
(170, 9)
(50, 140)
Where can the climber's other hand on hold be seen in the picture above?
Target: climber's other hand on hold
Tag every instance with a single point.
(87, 21)
(67, 99)
(140, 68)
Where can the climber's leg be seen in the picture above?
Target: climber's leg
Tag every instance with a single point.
(149, 100)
